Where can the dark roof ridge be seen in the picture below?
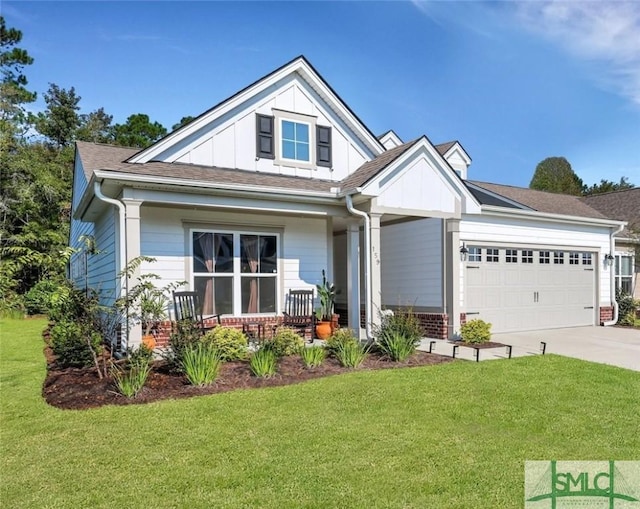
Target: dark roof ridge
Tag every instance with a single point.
(634, 188)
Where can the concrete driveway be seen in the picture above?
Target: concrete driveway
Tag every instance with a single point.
(608, 345)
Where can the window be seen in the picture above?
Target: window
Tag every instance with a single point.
(512, 256)
(492, 255)
(295, 141)
(527, 256)
(235, 273)
(475, 254)
(545, 257)
(574, 258)
(624, 273)
(586, 258)
(558, 257)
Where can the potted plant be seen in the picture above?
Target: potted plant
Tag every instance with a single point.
(145, 303)
(324, 313)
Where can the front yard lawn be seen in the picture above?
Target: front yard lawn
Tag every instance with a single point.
(451, 435)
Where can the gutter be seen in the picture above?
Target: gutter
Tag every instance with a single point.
(612, 279)
(367, 262)
(547, 216)
(122, 217)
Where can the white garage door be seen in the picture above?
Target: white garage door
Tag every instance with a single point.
(528, 289)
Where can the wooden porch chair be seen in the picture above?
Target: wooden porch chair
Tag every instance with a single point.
(188, 308)
(299, 312)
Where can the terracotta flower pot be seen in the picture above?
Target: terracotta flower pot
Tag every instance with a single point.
(323, 330)
(149, 341)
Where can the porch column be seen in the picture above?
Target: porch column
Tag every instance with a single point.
(376, 282)
(132, 224)
(452, 275)
(353, 275)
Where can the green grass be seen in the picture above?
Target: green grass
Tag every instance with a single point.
(453, 435)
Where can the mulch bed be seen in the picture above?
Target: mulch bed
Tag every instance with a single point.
(75, 388)
(488, 344)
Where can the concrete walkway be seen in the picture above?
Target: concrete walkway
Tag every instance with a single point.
(608, 345)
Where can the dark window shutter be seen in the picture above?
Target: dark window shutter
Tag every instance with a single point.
(323, 146)
(264, 137)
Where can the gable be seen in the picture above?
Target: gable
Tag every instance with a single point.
(418, 182)
(226, 135)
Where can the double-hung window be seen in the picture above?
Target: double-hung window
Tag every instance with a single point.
(295, 140)
(235, 273)
(624, 273)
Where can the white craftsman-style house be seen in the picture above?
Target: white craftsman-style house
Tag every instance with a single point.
(282, 180)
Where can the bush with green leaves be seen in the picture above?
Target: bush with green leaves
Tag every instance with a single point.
(37, 300)
(201, 364)
(351, 355)
(263, 362)
(74, 343)
(313, 356)
(476, 331)
(231, 343)
(626, 307)
(285, 341)
(339, 338)
(398, 334)
(130, 378)
(185, 333)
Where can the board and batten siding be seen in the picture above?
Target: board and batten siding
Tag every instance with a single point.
(411, 264)
(531, 234)
(165, 236)
(230, 140)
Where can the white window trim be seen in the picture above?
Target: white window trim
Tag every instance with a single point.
(237, 274)
(617, 265)
(311, 121)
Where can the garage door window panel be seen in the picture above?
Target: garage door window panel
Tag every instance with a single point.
(545, 257)
(493, 255)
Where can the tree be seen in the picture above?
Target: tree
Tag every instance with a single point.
(555, 175)
(13, 92)
(183, 121)
(606, 186)
(138, 131)
(60, 121)
(95, 127)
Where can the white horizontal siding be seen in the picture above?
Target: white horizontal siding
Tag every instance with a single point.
(164, 236)
(520, 232)
(411, 263)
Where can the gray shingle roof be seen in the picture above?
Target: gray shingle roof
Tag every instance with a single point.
(110, 158)
(623, 205)
(371, 168)
(443, 148)
(542, 201)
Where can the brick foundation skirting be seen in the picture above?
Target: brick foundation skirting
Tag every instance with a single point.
(606, 314)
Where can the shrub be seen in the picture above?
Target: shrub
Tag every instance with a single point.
(37, 301)
(476, 331)
(74, 343)
(399, 334)
(142, 353)
(185, 334)
(201, 364)
(626, 307)
(351, 355)
(263, 362)
(230, 343)
(313, 356)
(130, 379)
(339, 338)
(285, 342)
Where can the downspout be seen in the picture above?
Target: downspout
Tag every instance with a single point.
(367, 263)
(122, 220)
(612, 279)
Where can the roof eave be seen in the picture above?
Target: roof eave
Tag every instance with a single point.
(551, 217)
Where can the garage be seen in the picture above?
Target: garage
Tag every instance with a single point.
(518, 289)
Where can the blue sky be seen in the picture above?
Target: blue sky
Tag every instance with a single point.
(514, 82)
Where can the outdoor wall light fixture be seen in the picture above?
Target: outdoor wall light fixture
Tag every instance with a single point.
(608, 260)
(464, 252)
